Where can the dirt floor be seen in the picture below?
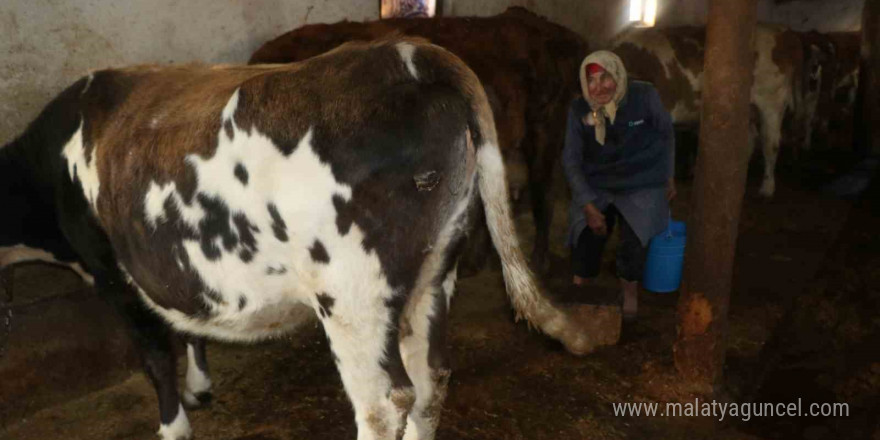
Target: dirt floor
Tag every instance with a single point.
(803, 324)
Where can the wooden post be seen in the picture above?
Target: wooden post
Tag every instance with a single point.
(719, 185)
(869, 80)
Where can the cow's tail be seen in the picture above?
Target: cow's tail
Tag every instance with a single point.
(525, 294)
(527, 297)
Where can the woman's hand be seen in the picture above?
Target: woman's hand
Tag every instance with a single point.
(670, 189)
(595, 219)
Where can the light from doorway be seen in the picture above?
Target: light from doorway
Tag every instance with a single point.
(642, 13)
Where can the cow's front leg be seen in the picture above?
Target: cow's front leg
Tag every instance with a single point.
(198, 384)
(363, 333)
(424, 352)
(152, 339)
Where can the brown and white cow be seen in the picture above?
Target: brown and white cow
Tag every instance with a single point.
(228, 201)
(528, 64)
(840, 80)
(785, 79)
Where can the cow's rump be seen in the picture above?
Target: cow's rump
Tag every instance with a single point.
(528, 65)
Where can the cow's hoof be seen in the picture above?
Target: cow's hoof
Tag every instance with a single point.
(178, 429)
(198, 400)
(182, 437)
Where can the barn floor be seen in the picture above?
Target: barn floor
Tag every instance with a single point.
(72, 376)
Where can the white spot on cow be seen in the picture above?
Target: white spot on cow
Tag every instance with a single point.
(20, 253)
(89, 80)
(229, 109)
(449, 285)
(178, 429)
(154, 205)
(301, 189)
(407, 51)
(155, 200)
(77, 165)
(197, 381)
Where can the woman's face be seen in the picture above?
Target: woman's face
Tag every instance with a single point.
(601, 86)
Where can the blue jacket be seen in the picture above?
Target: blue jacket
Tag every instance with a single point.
(630, 170)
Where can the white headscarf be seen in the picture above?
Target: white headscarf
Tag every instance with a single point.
(614, 66)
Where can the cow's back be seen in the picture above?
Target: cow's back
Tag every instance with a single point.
(513, 36)
(672, 60)
(517, 55)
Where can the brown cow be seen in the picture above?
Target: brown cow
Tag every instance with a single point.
(784, 79)
(527, 64)
(231, 202)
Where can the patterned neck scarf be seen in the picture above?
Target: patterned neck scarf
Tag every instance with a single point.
(614, 66)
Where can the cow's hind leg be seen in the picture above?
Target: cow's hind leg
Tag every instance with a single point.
(423, 327)
(424, 352)
(198, 384)
(152, 339)
(363, 332)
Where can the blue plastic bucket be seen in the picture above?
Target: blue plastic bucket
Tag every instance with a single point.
(665, 259)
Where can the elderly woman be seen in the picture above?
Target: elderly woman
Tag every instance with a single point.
(619, 162)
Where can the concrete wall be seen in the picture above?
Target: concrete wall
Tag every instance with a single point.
(48, 44)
